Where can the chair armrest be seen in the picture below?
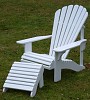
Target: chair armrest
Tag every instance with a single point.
(70, 46)
(29, 40)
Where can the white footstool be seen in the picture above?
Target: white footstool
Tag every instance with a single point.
(24, 76)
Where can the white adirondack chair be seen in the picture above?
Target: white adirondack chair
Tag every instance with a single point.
(68, 23)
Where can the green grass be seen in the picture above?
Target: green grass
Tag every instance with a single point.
(21, 19)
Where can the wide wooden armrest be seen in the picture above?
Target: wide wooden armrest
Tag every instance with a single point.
(33, 39)
(70, 46)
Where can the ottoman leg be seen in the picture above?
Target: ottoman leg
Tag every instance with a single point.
(41, 83)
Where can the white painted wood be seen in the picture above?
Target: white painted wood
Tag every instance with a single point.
(45, 66)
(67, 25)
(16, 86)
(74, 24)
(42, 55)
(62, 17)
(23, 73)
(69, 46)
(41, 83)
(38, 57)
(74, 34)
(78, 30)
(82, 32)
(25, 69)
(21, 79)
(69, 64)
(54, 31)
(81, 51)
(64, 56)
(20, 82)
(57, 69)
(70, 22)
(25, 66)
(78, 26)
(81, 58)
(36, 60)
(48, 56)
(73, 14)
(28, 47)
(37, 81)
(25, 41)
(5, 89)
(82, 47)
(22, 76)
(60, 25)
(84, 17)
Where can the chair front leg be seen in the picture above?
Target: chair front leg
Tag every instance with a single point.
(28, 47)
(57, 67)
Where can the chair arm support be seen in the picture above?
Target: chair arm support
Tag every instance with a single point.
(30, 40)
(70, 46)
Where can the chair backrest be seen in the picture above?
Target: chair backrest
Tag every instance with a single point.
(68, 22)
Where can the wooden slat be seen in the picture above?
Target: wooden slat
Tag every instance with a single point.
(48, 56)
(41, 55)
(36, 60)
(28, 64)
(61, 21)
(19, 83)
(45, 66)
(70, 46)
(21, 79)
(25, 69)
(24, 73)
(79, 25)
(74, 24)
(22, 76)
(62, 17)
(65, 24)
(28, 61)
(38, 57)
(65, 54)
(54, 31)
(73, 14)
(33, 39)
(16, 86)
(70, 33)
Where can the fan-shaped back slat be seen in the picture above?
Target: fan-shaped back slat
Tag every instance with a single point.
(78, 30)
(65, 24)
(60, 25)
(55, 27)
(72, 28)
(75, 33)
(68, 26)
(60, 19)
(70, 23)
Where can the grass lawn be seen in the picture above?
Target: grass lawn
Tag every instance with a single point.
(21, 19)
